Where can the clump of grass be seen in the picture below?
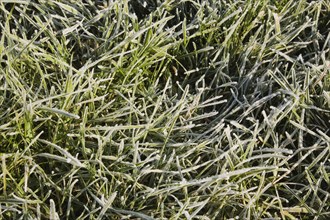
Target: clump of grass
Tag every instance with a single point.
(164, 109)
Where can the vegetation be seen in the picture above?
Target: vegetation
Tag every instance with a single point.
(190, 109)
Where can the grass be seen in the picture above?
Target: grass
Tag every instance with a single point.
(164, 109)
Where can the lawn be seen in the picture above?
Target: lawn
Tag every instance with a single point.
(164, 109)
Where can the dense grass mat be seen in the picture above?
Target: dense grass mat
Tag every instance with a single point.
(164, 109)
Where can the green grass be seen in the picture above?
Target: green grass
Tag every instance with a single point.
(165, 109)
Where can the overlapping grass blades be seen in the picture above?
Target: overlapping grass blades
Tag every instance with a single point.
(164, 109)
